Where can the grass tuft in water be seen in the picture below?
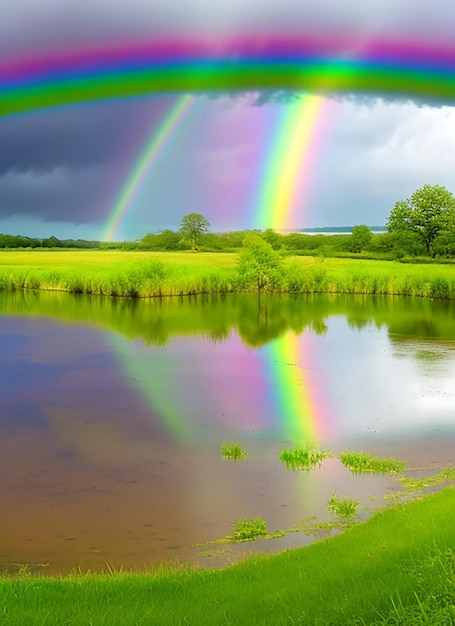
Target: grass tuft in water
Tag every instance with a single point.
(233, 451)
(247, 529)
(345, 510)
(303, 458)
(360, 462)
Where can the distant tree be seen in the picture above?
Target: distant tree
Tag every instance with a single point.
(422, 218)
(192, 227)
(360, 238)
(52, 242)
(259, 264)
(273, 238)
(169, 240)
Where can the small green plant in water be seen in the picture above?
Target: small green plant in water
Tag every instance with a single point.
(360, 462)
(345, 510)
(247, 529)
(303, 458)
(233, 451)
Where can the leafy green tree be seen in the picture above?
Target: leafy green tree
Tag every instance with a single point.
(360, 238)
(259, 263)
(192, 227)
(273, 238)
(422, 217)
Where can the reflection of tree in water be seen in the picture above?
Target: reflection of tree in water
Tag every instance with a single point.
(257, 320)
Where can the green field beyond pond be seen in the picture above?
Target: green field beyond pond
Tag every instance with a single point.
(149, 274)
(396, 568)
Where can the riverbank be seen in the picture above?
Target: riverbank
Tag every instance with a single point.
(154, 274)
(398, 567)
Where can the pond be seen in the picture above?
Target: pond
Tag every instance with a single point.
(113, 412)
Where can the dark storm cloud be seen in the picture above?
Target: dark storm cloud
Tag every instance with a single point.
(62, 163)
(75, 137)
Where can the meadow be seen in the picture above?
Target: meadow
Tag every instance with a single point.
(398, 567)
(149, 274)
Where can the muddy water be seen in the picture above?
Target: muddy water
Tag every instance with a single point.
(112, 415)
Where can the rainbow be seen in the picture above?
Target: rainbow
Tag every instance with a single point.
(154, 146)
(302, 418)
(288, 166)
(317, 63)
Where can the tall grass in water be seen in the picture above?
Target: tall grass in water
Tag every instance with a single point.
(360, 462)
(303, 458)
(247, 529)
(233, 451)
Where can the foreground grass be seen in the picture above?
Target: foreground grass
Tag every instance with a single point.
(396, 568)
(149, 274)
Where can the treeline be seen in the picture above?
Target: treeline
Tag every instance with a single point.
(361, 243)
(20, 241)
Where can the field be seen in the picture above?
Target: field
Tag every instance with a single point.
(396, 568)
(149, 274)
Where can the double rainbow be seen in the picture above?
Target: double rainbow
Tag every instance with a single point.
(314, 64)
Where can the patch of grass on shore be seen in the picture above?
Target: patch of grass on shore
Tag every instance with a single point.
(151, 274)
(360, 462)
(303, 458)
(233, 451)
(395, 568)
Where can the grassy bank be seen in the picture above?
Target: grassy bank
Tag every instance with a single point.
(149, 274)
(396, 568)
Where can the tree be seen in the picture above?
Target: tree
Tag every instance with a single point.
(360, 238)
(423, 217)
(259, 263)
(192, 227)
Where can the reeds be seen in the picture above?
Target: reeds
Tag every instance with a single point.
(142, 275)
(233, 451)
(303, 458)
(360, 463)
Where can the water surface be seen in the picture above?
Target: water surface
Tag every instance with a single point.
(113, 412)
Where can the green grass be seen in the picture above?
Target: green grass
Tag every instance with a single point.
(360, 462)
(345, 509)
(246, 529)
(150, 274)
(303, 458)
(395, 568)
(233, 451)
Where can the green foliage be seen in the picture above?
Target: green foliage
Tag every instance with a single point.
(345, 509)
(360, 238)
(247, 529)
(233, 451)
(192, 227)
(303, 458)
(259, 264)
(425, 217)
(360, 462)
(273, 238)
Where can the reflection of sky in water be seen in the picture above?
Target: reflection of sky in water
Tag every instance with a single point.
(375, 387)
(357, 379)
(191, 389)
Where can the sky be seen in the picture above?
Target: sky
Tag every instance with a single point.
(63, 170)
